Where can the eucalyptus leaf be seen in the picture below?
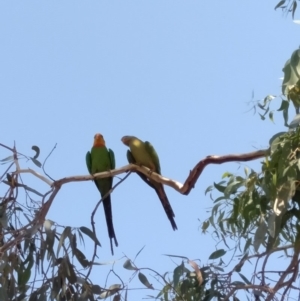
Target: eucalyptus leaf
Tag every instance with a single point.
(260, 234)
(90, 234)
(37, 151)
(217, 254)
(144, 280)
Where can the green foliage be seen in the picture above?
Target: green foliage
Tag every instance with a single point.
(41, 260)
(290, 91)
(190, 284)
(291, 81)
(266, 202)
(288, 6)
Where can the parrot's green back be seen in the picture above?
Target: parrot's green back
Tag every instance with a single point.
(143, 153)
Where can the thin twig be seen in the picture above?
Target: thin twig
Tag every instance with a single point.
(43, 167)
(93, 222)
(32, 171)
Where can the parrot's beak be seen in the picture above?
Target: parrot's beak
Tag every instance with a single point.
(124, 140)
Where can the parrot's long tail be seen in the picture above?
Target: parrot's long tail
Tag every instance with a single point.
(166, 204)
(109, 222)
(163, 198)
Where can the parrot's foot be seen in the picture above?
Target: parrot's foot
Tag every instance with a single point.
(110, 172)
(150, 172)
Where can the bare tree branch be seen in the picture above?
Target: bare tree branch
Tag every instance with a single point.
(182, 188)
(32, 171)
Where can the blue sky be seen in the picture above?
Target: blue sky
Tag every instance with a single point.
(176, 73)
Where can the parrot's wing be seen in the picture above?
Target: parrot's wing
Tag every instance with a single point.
(112, 158)
(130, 157)
(88, 159)
(153, 154)
(143, 177)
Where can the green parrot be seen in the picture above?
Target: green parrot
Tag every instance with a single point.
(143, 153)
(101, 159)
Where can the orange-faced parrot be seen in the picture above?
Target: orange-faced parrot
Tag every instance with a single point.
(101, 159)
